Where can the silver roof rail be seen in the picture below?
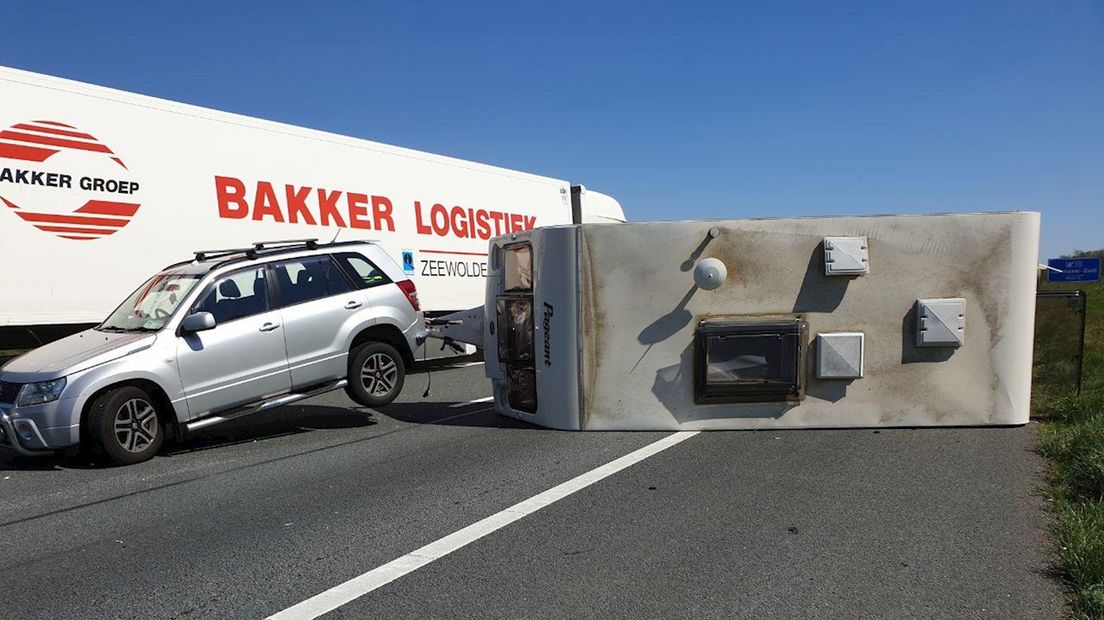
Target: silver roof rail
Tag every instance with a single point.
(267, 248)
(202, 255)
(310, 244)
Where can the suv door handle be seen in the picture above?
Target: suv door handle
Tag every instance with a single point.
(267, 327)
(353, 305)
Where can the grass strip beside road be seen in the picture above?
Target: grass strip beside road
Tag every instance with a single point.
(1072, 439)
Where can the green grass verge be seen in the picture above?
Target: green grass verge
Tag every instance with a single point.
(1072, 439)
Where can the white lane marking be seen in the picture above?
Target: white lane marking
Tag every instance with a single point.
(472, 402)
(357, 587)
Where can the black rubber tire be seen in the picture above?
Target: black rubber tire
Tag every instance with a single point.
(102, 426)
(358, 357)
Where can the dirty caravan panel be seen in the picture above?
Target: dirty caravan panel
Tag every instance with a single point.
(633, 353)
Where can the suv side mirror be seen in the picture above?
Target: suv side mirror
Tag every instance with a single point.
(198, 322)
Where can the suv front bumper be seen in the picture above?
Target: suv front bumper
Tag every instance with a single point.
(22, 435)
(40, 429)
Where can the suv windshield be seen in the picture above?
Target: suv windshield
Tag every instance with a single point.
(152, 304)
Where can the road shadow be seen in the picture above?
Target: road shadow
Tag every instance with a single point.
(433, 365)
(479, 415)
(72, 459)
(283, 422)
(279, 422)
(297, 419)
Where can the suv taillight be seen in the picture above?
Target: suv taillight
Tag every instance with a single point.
(411, 292)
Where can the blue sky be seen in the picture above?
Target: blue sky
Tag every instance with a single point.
(680, 110)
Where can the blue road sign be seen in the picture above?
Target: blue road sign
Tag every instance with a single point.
(1074, 269)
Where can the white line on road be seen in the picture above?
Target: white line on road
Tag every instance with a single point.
(472, 402)
(359, 586)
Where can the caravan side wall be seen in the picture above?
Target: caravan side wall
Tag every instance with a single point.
(640, 310)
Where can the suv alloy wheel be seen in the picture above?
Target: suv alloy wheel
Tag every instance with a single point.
(376, 374)
(124, 425)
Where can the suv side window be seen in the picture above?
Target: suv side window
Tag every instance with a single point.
(361, 270)
(309, 278)
(235, 296)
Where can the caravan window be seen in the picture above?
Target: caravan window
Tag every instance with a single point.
(518, 261)
(749, 360)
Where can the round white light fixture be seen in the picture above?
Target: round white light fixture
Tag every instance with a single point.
(710, 273)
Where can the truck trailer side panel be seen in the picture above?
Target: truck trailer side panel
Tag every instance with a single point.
(100, 188)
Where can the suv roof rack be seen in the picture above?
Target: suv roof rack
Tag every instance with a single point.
(310, 244)
(202, 255)
(264, 248)
(252, 252)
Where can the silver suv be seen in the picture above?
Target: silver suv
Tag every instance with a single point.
(230, 333)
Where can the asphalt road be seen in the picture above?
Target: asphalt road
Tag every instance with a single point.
(258, 515)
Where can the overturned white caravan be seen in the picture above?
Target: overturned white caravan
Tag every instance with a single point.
(770, 323)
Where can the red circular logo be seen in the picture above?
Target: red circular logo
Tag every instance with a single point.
(64, 181)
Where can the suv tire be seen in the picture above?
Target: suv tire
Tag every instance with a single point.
(376, 374)
(123, 424)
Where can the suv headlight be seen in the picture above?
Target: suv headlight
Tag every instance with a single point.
(38, 393)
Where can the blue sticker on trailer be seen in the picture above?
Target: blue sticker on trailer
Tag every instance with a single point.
(408, 261)
(1073, 269)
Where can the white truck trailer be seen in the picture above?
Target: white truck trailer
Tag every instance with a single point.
(100, 188)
